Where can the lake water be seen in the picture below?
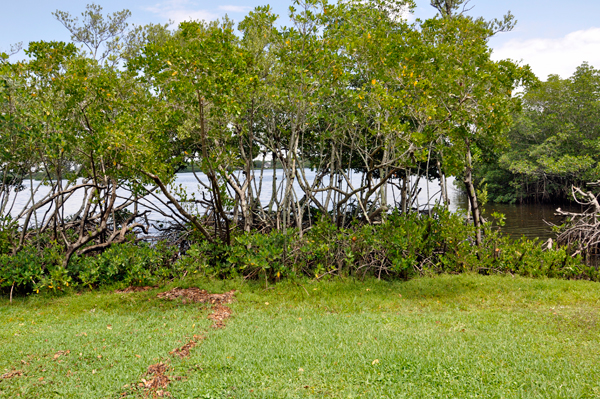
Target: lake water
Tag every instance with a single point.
(521, 220)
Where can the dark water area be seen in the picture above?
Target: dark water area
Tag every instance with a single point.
(527, 220)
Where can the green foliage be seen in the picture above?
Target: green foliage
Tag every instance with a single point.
(128, 264)
(8, 232)
(403, 247)
(553, 144)
(32, 269)
(35, 270)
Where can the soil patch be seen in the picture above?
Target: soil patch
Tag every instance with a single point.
(197, 295)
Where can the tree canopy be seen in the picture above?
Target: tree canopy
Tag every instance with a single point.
(351, 90)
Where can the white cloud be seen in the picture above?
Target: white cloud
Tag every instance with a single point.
(181, 10)
(241, 9)
(559, 56)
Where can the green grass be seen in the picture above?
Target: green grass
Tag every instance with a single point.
(445, 337)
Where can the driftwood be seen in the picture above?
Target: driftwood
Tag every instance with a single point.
(582, 233)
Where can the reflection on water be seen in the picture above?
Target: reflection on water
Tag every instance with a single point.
(523, 220)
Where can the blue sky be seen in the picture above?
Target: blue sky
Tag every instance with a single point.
(552, 36)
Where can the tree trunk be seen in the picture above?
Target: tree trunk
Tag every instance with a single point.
(468, 180)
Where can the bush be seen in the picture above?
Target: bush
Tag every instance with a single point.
(131, 264)
(401, 247)
(34, 270)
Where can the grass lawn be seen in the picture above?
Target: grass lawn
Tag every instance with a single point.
(445, 337)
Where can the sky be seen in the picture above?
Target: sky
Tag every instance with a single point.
(553, 37)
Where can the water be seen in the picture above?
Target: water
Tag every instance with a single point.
(528, 220)
(521, 220)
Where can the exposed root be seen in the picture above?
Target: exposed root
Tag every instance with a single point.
(197, 295)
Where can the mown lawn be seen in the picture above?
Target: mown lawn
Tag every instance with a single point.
(445, 337)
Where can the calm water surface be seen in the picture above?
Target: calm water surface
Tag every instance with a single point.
(527, 220)
(521, 220)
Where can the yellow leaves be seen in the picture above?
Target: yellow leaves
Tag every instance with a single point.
(368, 35)
(287, 42)
(174, 73)
(33, 94)
(169, 62)
(416, 82)
(373, 82)
(374, 362)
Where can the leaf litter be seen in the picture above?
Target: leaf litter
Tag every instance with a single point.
(159, 380)
(15, 373)
(184, 351)
(195, 294)
(219, 315)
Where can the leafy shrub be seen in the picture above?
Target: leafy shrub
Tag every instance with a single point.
(128, 263)
(401, 247)
(34, 269)
(8, 232)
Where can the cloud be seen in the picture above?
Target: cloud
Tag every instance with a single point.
(559, 56)
(241, 9)
(181, 10)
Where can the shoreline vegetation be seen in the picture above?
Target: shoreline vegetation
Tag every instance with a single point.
(371, 104)
(321, 287)
(356, 101)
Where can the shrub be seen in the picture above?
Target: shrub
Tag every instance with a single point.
(401, 247)
(34, 269)
(132, 264)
